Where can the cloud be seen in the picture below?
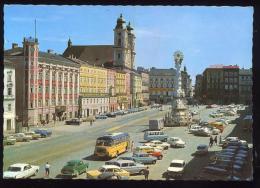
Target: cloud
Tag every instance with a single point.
(141, 32)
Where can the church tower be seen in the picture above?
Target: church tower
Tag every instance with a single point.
(123, 43)
(131, 45)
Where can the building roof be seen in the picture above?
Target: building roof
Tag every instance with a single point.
(154, 71)
(94, 54)
(245, 71)
(16, 54)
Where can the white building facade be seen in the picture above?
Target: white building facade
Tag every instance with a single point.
(9, 97)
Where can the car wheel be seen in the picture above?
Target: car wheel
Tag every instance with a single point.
(165, 140)
(77, 174)
(166, 147)
(36, 172)
(154, 162)
(160, 157)
(141, 172)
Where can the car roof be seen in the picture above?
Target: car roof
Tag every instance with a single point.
(19, 165)
(110, 166)
(141, 153)
(155, 141)
(74, 161)
(124, 161)
(177, 161)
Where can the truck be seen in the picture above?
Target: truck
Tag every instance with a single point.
(156, 124)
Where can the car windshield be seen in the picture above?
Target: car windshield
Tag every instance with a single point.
(14, 169)
(70, 163)
(103, 143)
(176, 165)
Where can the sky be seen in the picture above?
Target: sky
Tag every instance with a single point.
(205, 35)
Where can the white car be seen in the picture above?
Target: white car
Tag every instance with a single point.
(176, 142)
(21, 137)
(215, 131)
(20, 170)
(156, 143)
(194, 128)
(176, 168)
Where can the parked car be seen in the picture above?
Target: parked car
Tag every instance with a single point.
(111, 114)
(125, 158)
(202, 149)
(128, 165)
(88, 119)
(194, 112)
(74, 168)
(176, 142)
(73, 121)
(216, 114)
(43, 132)
(109, 176)
(155, 135)
(144, 158)
(194, 128)
(203, 132)
(20, 171)
(176, 168)
(21, 137)
(153, 151)
(215, 131)
(101, 117)
(106, 170)
(156, 143)
(9, 140)
(34, 136)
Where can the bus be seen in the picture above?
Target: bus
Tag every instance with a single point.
(112, 145)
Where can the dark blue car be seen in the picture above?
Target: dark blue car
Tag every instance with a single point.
(43, 132)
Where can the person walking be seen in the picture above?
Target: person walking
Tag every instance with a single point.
(216, 140)
(132, 146)
(90, 122)
(220, 140)
(47, 169)
(210, 141)
(146, 173)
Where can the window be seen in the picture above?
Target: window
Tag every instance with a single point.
(226, 87)
(9, 91)
(9, 107)
(119, 42)
(118, 56)
(9, 77)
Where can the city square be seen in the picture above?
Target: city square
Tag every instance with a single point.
(95, 111)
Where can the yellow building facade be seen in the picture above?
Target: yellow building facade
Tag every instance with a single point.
(120, 90)
(93, 80)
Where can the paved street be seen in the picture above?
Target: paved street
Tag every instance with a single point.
(78, 142)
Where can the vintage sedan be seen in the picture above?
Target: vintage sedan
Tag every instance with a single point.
(202, 149)
(21, 137)
(101, 117)
(20, 171)
(9, 140)
(107, 169)
(156, 143)
(176, 169)
(43, 132)
(176, 142)
(74, 168)
(153, 151)
(144, 158)
(34, 136)
(128, 165)
(73, 121)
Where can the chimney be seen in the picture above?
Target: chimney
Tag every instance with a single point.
(50, 51)
(14, 45)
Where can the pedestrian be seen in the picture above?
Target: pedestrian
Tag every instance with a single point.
(220, 139)
(216, 140)
(90, 122)
(210, 141)
(146, 173)
(132, 146)
(47, 169)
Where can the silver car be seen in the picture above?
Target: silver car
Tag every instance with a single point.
(128, 165)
